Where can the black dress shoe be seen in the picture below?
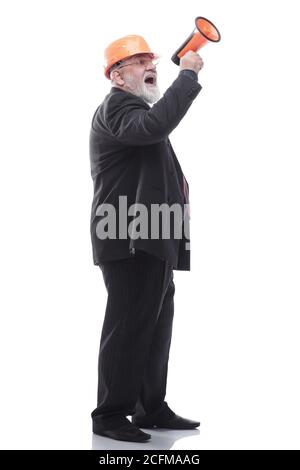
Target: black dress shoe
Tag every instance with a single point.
(167, 419)
(120, 429)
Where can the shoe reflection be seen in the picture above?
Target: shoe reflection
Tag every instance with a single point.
(160, 439)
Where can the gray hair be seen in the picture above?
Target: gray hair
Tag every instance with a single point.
(115, 67)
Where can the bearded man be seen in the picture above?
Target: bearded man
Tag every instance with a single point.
(131, 157)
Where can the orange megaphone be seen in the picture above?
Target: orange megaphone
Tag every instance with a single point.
(204, 32)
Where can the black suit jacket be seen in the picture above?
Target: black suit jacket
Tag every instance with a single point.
(131, 155)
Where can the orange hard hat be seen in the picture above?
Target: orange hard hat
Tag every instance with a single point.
(123, 48)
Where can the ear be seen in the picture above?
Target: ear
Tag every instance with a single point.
(117, 78)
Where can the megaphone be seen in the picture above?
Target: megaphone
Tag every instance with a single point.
(204, 32)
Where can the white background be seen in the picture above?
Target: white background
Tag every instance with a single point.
(234, 361)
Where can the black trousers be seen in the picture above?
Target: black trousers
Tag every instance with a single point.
(136, 336)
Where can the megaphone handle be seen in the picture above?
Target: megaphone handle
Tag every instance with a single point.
(175, 57)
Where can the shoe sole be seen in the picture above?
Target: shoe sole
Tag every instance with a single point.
(154, 426)
(104, 434)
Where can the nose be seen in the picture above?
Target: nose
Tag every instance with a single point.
(151, 66)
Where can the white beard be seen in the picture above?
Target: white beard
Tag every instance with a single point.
(150, 94)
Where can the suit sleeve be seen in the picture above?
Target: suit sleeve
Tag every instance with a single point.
(132, 122)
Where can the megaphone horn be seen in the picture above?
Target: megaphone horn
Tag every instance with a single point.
(204, 32)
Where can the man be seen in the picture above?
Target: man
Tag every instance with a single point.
(132, 158)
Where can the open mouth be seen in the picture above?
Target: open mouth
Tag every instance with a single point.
(151, 80)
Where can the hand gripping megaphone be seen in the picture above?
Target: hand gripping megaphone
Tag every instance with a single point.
(204, 32)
